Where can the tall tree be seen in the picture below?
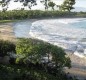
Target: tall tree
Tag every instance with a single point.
(45, 2)
(67, 5)
(4, 4)
(51, 4)
(28, 3)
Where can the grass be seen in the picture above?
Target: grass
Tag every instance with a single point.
(7, 21)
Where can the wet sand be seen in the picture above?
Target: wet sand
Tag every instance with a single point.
(6, 32)
(78, 67)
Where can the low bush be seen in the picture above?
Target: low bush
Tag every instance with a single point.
(6, 47)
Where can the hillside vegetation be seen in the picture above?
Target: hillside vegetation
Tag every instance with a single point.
(33, 60)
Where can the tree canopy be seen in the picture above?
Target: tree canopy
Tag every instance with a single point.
(51, 4)
(35, 51)
(67, 5)
(28, 3)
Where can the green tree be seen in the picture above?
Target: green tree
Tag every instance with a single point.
(52, 5)
(4, 4)
(45, 2)
(26, 3)
(29, 49)
(59, 57)
(67, 5)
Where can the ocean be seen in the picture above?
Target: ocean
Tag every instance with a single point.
(68, 33)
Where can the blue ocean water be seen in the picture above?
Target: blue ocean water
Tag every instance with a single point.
(81, 24)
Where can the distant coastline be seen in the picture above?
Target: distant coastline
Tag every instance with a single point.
(38, 14)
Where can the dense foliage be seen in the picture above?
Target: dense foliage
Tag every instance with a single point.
(67, 5)
(31, 63)
(34, 51)
(24, 14)
(6, 47)
(16, 72)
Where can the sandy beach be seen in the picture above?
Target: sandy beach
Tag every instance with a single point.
(78, 64)
(6, 32)
(78, 67)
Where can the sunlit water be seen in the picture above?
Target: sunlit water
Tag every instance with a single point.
(69, 34)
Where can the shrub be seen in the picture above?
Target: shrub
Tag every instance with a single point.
(32, 50)
(6, 47)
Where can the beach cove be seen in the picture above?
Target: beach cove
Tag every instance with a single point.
(36, 29)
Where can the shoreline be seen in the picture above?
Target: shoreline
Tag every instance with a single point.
(6, 32)
(78, 68)
(78, 64)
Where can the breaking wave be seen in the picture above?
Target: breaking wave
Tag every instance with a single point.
(69, 34)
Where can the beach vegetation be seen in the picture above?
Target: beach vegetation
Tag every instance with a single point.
(35, 50)
(6, 47)
(37, 14)
(35, 60)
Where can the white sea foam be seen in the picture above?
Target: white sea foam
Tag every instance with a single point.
(60, 32)
(67, 21)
